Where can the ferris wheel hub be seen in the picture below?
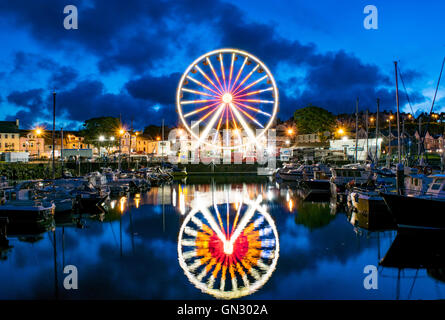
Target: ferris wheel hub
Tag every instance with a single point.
(227, 97)
(228, 247)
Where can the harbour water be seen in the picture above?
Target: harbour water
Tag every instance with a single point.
(309, 250)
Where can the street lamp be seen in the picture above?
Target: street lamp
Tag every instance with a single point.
(38, 132)
(290, 131)
(121, 133)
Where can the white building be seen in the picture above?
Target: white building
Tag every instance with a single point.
(347, 147)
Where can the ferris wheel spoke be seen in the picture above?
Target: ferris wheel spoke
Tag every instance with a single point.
(251, 108)
(249, 116)
(233, 119)
(211, 123)
(204, 117)
(217, 127)
(231, 72)
(251, 93)
(236, 217)
(221, 60)
(213, 71)
(203, 85)
(208, 79)
(247, 77)
(199, 92)
(218, 216)
(200, 109)
(243, 123)
(245, 219)
(198, 101)
(256, 100)
(240, 71)
(250, 85)
(213, 224)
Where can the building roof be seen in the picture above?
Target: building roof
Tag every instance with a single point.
(9, 127)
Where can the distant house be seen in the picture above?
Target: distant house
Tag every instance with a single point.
(432, 143)
(32, 143)
(9, 136)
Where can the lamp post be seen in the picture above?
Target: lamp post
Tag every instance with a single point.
(390, 138)
(121, 133)
(38, 132)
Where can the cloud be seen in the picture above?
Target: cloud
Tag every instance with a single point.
(147, 39)
(156, 89)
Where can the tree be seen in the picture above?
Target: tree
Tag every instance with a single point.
(156, 131)
(103, 126)
(312, 119)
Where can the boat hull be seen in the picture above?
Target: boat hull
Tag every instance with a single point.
(416, 212)
(373, 214)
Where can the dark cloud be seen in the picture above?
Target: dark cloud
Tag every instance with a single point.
(156, 89)
(141, 35)
(31, 99)
(88, 99)
(63, 77)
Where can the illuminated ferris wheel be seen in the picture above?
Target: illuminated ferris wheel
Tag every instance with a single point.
(227, 89)
(229, 254)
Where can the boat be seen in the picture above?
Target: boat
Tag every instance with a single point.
(348, 177)
(178, 172)
(27, 211)
(425, 210)
(372, 212)
(292, 172)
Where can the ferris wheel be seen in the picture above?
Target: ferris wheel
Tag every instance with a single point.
(227, 89)
(229, 254)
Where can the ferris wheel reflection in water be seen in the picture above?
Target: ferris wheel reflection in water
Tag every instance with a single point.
(228, 243)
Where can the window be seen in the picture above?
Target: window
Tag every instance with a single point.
(12, 136)
(435, 186)
(6, 136)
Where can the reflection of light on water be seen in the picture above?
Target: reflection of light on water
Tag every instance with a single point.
(122, 201)
(137, 199)
(287, 196)
(181, 200)
(228, 262)
(113, 204)
(290, 204)
(174, 198)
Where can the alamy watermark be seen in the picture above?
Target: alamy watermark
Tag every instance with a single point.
(371, 280)
(371, 20)
(71, 20)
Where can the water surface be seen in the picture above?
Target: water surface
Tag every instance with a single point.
(131, 250)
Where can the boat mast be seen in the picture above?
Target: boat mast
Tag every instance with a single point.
(377, 133)
(356, 131)
(61, 148)
(367, 133)
(398, 116)
(54, 133)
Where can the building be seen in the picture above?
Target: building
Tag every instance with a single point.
(9, 136)
(146, 145)
(32, 143)
(71, 140)
(365, 148)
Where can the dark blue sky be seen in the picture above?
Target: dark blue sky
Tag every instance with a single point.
(127, 56)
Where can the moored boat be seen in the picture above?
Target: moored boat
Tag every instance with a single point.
(419, 211)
